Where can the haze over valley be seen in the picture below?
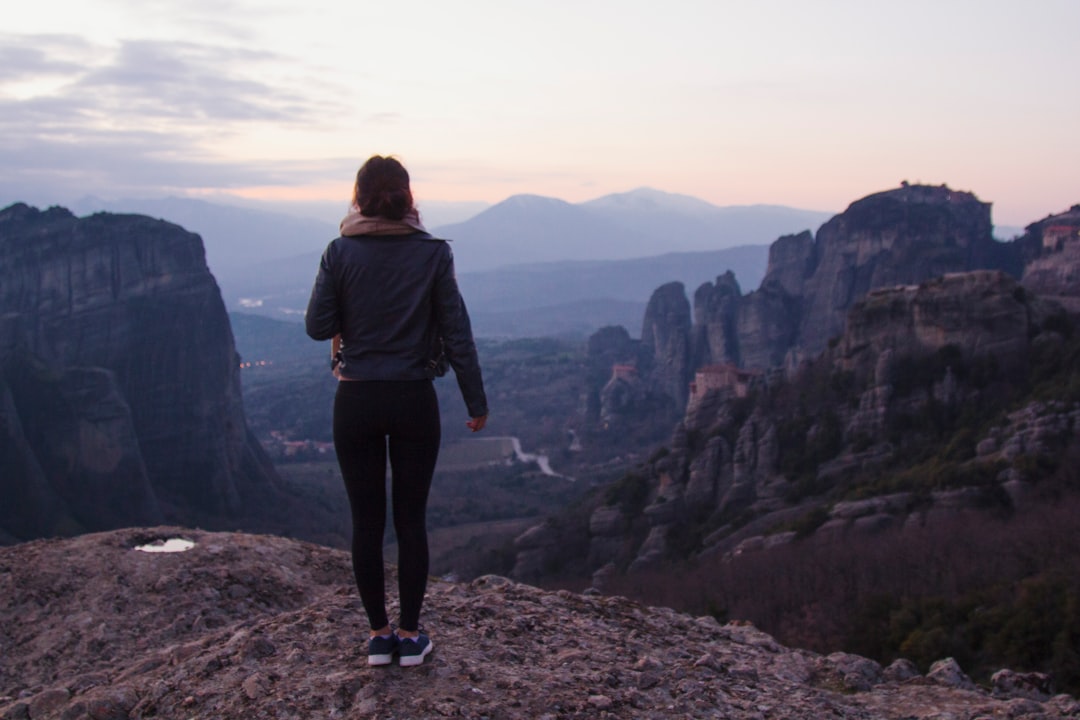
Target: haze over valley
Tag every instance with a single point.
(528, 266)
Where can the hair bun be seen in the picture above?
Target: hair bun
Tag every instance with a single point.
(382, 189)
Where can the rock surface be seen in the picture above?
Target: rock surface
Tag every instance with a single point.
(898, 237)
(1055, 271)
(120, 397)
(263, 627)
(665, 335)
(981, 314)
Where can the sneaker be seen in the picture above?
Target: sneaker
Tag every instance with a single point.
(412, 651)
(380, 650)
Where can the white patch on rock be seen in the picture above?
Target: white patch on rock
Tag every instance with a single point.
(172, 545)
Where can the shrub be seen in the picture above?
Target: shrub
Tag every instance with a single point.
(630, 493)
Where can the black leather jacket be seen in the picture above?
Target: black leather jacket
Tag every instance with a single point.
(391, 297)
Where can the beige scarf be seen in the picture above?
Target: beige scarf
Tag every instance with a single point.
(356, 224)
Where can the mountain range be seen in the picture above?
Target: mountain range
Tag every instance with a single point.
(641, 223)
(534, 300)
(528, 266)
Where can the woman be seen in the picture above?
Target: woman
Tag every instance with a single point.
(388, 289)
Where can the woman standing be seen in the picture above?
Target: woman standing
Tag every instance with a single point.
(388, 289)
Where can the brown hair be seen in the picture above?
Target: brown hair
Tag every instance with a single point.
(382, 188)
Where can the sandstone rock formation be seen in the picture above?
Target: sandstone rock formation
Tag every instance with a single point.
(981, 313)
(905, 349)
(628, 381)
(903, 236)
(119, 383)
(898, 237)
(665, 336)
(1055, 270)
(246, 626)
(607, 347)
(899, 278)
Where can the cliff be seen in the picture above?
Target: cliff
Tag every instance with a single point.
(120, 395)
(898, 237)
(759, 445)
(246, 626)
(1053, 269)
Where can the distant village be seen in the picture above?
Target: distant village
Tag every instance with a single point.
(281, 449)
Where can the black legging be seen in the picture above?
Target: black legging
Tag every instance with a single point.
(366, 415)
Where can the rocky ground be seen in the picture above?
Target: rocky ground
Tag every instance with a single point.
(246, 626)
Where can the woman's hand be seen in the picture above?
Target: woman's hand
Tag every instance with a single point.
(335, 356)
(477, 424)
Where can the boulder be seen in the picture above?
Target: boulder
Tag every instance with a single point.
(947, 672)
(1029, 685)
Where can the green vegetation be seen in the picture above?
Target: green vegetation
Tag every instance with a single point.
(807, 442)
(937, 473)
(630, 493)
(685, 538)
(808, 523)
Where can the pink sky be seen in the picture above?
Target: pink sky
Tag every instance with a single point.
(812, 105)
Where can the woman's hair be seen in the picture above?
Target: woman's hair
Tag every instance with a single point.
(382, 188)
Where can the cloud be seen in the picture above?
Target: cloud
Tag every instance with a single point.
(24, 58)
(140, 114)
(201, 87)
(135, 164)
(189, 81)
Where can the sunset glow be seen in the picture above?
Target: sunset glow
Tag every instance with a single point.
(808, 105)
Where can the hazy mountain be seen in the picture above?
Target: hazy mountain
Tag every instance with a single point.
(641, 223)
(594, 293)
(239, 233)
(235, 238)
(576, 319)
(529, 228)
(542, 284)
(557, 298)
(1007, 232)
(694, 224)
(432, 212)
(589, 264)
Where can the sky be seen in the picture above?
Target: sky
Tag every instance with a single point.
(806, 104)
